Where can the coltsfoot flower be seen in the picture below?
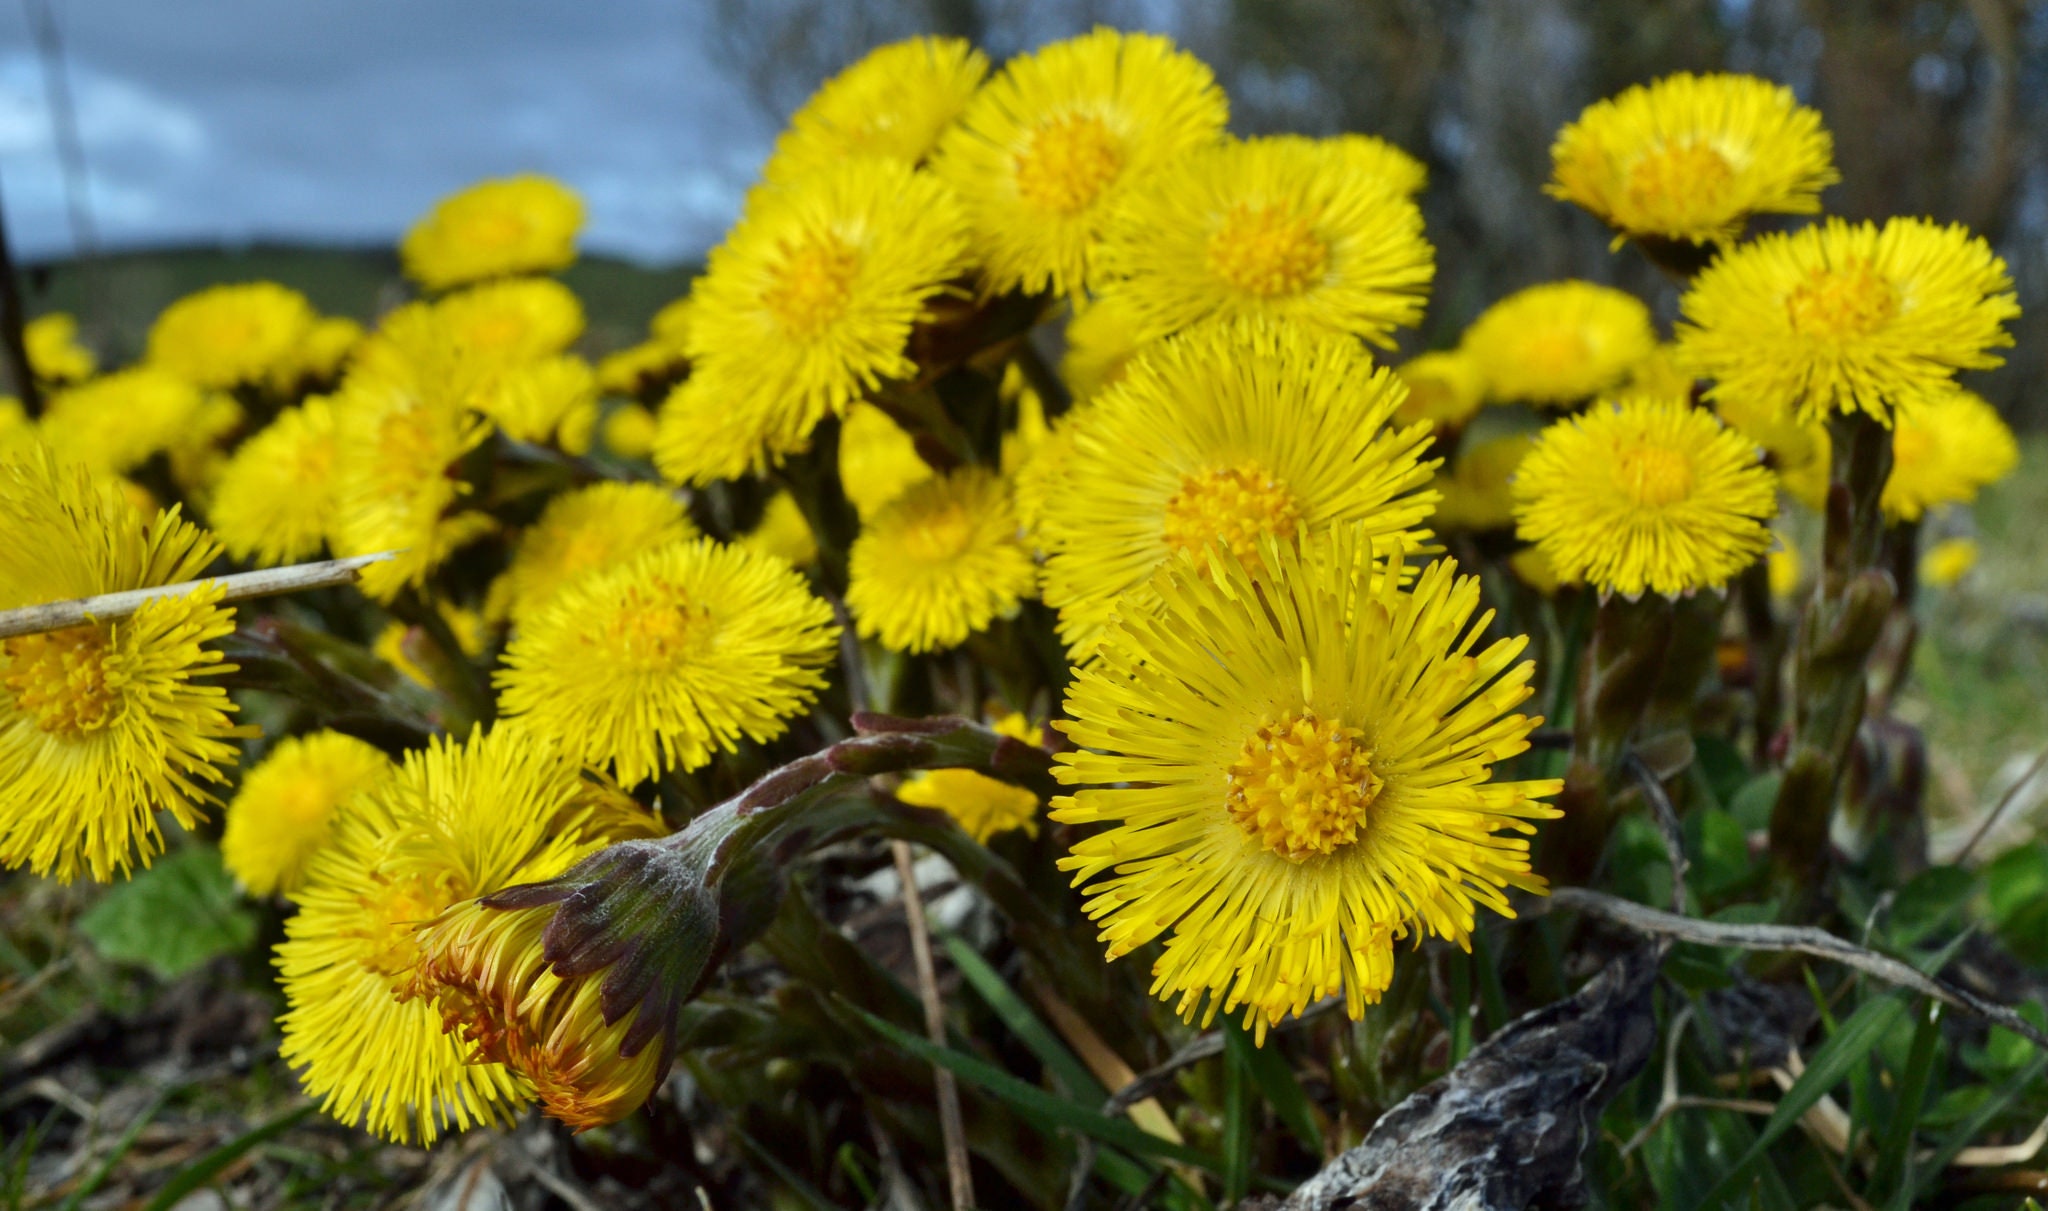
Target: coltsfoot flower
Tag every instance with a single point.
(1270, 227)
(981, 805)
(878, 460)
(274, 500)
(1047, 149)
(285, 808)
(1948, 561)
(664, 661)
(1645, 495)
(581, 533)
(1445, 388)
(1220, 438)
(115, 423)
(104, 725)
(1846, 317)
(1692, 157)
(1559, 343)
(229, 336)
(511, 225)
(1476, 489)
(941, 562)
(1296, 761)
(1101, 340)
(895, 102)
(54, 354)
(1945, 449)
(782, 533)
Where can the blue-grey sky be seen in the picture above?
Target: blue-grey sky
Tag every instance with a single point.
(341, 120)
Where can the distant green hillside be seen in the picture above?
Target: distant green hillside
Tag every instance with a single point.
(116, 296)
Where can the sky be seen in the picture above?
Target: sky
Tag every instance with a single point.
(340, 121)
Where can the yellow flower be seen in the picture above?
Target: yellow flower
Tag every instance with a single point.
(1784, 570)
(895, 102)
(1659, 374)
(663, 661)
(115, 423)
(457, 820)
(878, 460)
(581, 533)
(104, 725)
(399, 436)
(227, 336)
(628, 432)
(552, 400)
(484, 971)
(406, 648)
(198, 454)
(522, 224)
(639, 369)
(325, 351)
(1846, 316)
(1371, 161)
(983, 806)
(1944, 449)
(940, 563)
(520, 320)
(1297, 761)
(1032, 480)
(54, 354)
(1534, 569)
(1645, 494)
(1797, 450)
(672, 323)
(783, 533)
(17, 432)
(1223, 436)
(1692, 157)
(286, 807)
(1948, 561)
(1560, 343)
(1476, 490)
(1101, 340)
(1046, 151)
(274, 499)
(1271, 227)
(1444, 388)
(806, 307)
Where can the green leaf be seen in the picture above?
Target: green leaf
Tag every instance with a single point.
(174, 916)
(1830, 1066)
(1240, 1110)
(208, 1167)
(1751, 805)
(1895, 1147)
(1119, 1132)
(1720, 766)
(1073, 1076)
(1720, 859)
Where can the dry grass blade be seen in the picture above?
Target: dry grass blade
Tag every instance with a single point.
(959, 1177)
(56, 615)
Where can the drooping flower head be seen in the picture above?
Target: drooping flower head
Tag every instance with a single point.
(1559, 343)
(1297, 765)
(1645, 495)
(1945, 449)
(457, 820)
(115, 423)
(581, 533)
(285, 808)
(806, 307)
(228, 336)
(1846, 317)
(1476, 489)
(1692, 157)
(1049, 147)
(1445, 388)
(1223, 436)
(274, 500)
(895, 102)
(1273, 227)
(666, 660)
(941, 562)
(104, 725)
(54, 354)
(522, 224)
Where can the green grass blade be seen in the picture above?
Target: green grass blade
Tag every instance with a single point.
(1970, 1128)
(1895, 1148)
(1029, 1098)
(1270, 1074)
(790, 1177)
(121, 1146)
(1029, 1028)
(207, 1167)
(1240, 1113)
(1830, 1066)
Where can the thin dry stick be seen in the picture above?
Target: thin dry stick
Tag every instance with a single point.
(958, 1176)
(56, 615)
(2004, 801)
(1801, 939)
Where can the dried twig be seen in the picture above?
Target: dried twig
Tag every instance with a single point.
(2004, 801)
(958, 1174)
(56, 615)
(1800, 939)
(1667, 824)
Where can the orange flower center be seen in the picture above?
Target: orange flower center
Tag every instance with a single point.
(387, 943)
(663, 627)
(1847, 301)
(1654, 476)
(60, 679)
(1235, 506)
(809, 286)
(938, 535)
(1301, 787)
(1267, 251)
(1071, 160)
(1680, 184)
